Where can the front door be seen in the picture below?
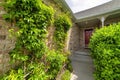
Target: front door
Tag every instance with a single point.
(88, 33)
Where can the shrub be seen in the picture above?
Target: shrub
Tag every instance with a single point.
(55, 62)
(69, 65)
(66, 75)
(105, 51)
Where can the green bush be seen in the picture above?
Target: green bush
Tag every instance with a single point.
(66, 75)
(69, 65)
(36, 72)
(63, 23)
(55, 62)
(105, 51)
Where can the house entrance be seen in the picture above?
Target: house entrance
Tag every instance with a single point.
(88, 33)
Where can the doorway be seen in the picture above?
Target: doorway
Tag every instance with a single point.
(88, 34)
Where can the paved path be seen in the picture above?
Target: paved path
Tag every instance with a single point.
(82, 66)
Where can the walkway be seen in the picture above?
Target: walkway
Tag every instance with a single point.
(82, 66)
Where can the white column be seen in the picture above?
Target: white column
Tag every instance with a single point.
(102, 20)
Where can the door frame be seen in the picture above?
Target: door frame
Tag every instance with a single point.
(84, 35)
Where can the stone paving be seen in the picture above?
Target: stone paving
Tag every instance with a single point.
(82, 66)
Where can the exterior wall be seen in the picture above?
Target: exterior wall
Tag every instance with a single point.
(82, 35)
(4, 58)
(6, 45)
(51, 28)
(58, 9)
(113, 20)
(76, 36)
(76, 39)
(74, 43)
(49, 41)
(93, 26)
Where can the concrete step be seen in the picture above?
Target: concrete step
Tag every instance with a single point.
(82, 53)
(81, 56)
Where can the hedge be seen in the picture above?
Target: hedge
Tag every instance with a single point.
(105, 51)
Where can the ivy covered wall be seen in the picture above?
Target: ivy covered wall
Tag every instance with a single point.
(31, 23)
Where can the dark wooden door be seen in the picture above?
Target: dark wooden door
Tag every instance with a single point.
(88, 33)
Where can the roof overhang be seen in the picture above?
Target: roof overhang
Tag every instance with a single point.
(109, 8)
(64, 4)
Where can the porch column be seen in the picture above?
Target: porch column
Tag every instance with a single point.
(102, 19)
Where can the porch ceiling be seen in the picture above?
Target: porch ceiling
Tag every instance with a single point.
(86, 23)
(113, 16)
(96, 21)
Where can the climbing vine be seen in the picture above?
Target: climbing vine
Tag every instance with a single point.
(32, 19)
(62, 25)
(35, 60)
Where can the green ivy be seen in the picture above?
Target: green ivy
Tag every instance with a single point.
(32, 18)
(56, 61)
(62, 24)
(36, 61)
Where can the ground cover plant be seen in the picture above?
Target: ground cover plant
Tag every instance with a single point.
(105, 51)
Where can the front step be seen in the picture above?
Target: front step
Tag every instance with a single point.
(82, 53)
(81, 56)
